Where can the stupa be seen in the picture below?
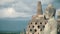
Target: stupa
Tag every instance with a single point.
(37, 24)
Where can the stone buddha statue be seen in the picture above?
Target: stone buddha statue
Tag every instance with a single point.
(51, 26)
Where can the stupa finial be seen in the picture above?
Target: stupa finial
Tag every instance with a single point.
(39, 8)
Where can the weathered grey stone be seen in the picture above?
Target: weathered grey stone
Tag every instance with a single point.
(51, 27)
(58, 21)
(39, 8)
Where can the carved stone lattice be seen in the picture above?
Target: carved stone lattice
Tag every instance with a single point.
(37, 25)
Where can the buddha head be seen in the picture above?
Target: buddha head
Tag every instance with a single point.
(50, 11)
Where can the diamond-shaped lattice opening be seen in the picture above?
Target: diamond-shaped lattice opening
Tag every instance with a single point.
(30, 30)
(38, 26)
(40, 22)
(35, 30)
(31, 22)
(33, 26)
(35, 23)
(41, 29)
(43, 26)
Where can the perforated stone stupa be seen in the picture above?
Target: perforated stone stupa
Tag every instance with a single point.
(39, 23)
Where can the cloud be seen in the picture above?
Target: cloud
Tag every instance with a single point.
(5, 1)
(57, 11)
(11, 13)
(22, 8)
(46, 1)
(7, 12)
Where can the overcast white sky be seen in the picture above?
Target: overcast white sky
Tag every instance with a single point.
(21, 8)
(16, 14)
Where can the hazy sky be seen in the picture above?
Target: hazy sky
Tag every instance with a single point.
(23, 8)
(18, 11)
